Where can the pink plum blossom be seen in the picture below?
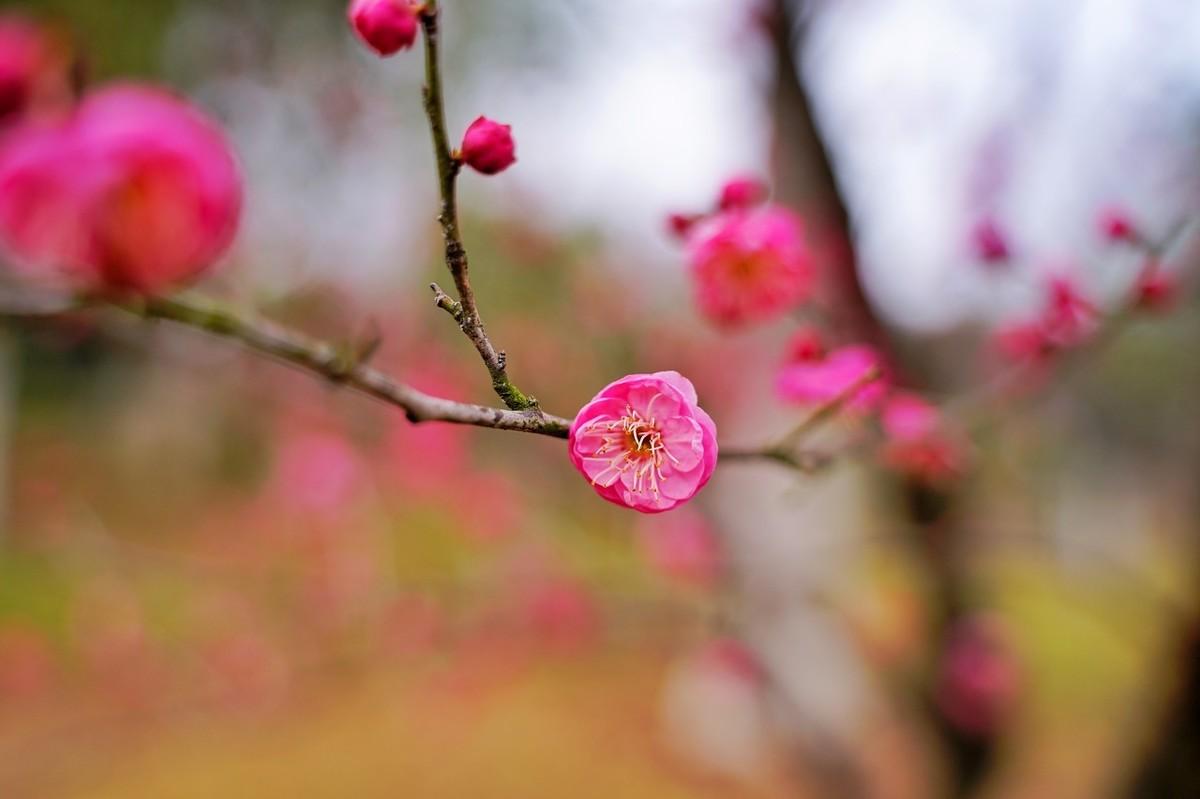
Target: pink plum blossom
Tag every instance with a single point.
(1156, 291)
(682, 546)
(806, 344)
(317, 472)
(979, 678)
(1067, 318)
(680, 225)
(386, 26)
(644, 443)
(750, 265)
(819, 380)
(989, 243)
(1116, 225)
(138, 191)
(488, 147)
(33, 67)
(918, 442)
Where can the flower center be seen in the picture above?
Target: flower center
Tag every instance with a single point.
(631, 443)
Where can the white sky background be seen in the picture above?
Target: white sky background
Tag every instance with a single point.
(1038, 110)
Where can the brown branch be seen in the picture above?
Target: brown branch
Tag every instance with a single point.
(340, 366)
(464, 311)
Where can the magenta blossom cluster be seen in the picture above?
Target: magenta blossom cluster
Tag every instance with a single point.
(749, 260)
(644, 442)
(134, 191)
(814, 377)
(749, 265)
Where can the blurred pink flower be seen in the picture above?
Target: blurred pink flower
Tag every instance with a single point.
(988, 242)
(824, 379)
(1023, 342)
(978, 678)
(1156, 291)
(750, 265)
(733, 658)
(138, 191)
(26, 663)
(805, 345)
(679, 224)
(644, 443)
(682, 546)
(1066, 320)
(33, 66)
(561, 612)
(488, 147)
(317, 472)
(1069, 317)
(918, 443)
(1116, 225)
(741, 192)
(386, 26)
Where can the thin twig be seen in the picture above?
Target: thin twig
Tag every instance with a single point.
(338, 366)
(784, 451)
(464, 311)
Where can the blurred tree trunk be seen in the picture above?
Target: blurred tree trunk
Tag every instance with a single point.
(806, 179)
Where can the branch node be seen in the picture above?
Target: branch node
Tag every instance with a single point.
(448, 304)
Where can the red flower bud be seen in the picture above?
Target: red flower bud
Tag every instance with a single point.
(989, 243)
(488, 146)
(679, 225)
(1156, 292)
(1116, 226)
(386, 26)
(743, 191)
(805, 345)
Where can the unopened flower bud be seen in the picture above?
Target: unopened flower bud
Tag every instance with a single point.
(488, 146)
(1116, 226)
(386, 26)
(744, 191)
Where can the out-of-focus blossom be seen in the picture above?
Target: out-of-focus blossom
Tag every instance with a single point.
(682, 546)
(488, 147)
(34, 68)
(978, 677)
(138, 191)
(1155, 290)
(713, 711)
(805, 345)
(644, 443)
(679, 224)
(1116, 225)
(1066, 320)
(989, 242)
(742, 192)
(749, 266)
(26, 663)
(823, 379)
(918, 442)
(561, 612)
(317, 472)
(1069, 316)
(386, 26)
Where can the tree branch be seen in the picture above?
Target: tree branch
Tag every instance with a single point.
(339, 366)
(464, 311)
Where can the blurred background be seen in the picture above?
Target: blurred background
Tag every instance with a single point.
(221, 577)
